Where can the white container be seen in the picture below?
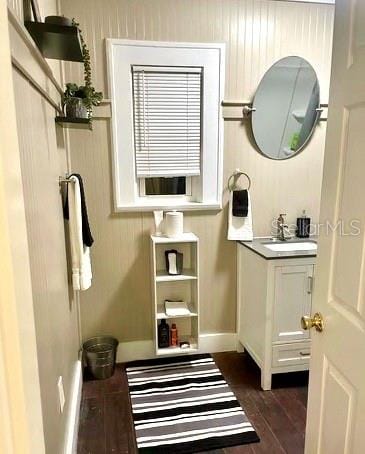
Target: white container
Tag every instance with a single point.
(158, 217)
(174, 224)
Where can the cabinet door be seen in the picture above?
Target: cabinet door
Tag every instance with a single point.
(293, 297)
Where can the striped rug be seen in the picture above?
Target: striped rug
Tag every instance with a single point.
(184, 405)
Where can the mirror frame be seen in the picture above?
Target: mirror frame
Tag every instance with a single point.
(315, 124)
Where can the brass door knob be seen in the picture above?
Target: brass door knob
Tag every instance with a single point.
(309, 322)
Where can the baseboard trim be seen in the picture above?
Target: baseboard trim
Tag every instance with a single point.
(72, 424)
(217, 342)
(131, 351)
(208, 343)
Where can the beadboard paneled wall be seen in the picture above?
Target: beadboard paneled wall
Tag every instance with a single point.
(257, 33)
(43, 159)
(46, 7)
(17, 7)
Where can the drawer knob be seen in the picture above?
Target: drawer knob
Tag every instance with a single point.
(316, 321)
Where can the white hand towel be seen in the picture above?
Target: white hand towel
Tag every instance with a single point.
(239, 229)
(81, 263)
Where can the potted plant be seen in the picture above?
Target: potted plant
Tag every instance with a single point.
(78, 101)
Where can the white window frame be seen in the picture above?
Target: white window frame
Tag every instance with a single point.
(206, 190)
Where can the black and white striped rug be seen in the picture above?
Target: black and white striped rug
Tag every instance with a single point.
(184, 405)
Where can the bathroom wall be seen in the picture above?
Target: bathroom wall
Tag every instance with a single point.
(46, 7)
(257, 33)
(17, 7)
(44, 158)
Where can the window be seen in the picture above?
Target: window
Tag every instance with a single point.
(167, 130)
(167, 123)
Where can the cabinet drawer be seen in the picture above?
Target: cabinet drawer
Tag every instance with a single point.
(291, 354)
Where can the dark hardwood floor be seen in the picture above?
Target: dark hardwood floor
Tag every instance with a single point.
(279, 415)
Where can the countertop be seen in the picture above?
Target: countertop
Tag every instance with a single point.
(257, 246)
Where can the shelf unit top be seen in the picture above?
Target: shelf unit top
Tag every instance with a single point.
(184, 238)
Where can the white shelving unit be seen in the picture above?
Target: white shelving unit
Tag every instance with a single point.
(183, 287)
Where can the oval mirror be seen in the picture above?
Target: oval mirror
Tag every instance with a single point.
(285, 108)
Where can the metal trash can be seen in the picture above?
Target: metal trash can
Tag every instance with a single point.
(100, 353)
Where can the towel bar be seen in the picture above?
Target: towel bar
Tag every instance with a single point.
(62, 180)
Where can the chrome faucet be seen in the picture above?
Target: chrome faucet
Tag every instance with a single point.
(283, 229)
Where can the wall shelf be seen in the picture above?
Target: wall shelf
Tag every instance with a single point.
(161, 314)
(70, 122)
(183, 287)
(177, 350)
(60, 42)
(187, 275)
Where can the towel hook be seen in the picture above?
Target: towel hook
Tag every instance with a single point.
(236, 175)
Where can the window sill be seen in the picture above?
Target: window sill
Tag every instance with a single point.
(185, 206)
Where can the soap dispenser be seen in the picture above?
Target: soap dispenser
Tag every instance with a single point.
(303, 226)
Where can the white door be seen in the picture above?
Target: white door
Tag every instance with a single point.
(336, 406)
(293, 298)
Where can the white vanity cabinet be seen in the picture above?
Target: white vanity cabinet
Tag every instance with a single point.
(273, 295)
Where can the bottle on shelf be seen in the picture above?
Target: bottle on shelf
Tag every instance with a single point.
(163, 334)
(173, 336)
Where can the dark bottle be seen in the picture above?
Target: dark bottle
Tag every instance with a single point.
(303, 226)
(163, 334)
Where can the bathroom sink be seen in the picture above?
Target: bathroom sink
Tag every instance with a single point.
(292, 246)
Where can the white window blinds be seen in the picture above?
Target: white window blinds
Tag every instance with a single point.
(167, 120)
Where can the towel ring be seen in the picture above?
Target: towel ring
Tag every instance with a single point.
(236, 177)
